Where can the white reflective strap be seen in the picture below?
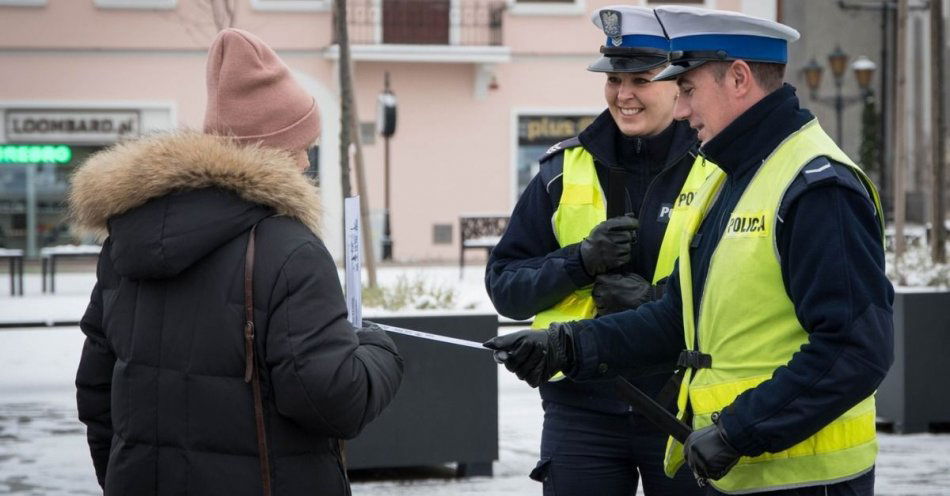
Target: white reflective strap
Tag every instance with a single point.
(432, 337)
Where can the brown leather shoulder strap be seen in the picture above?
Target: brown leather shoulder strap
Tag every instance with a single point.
(251, 374)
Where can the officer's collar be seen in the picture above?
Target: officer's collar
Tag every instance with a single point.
(752, 136)
(602, 136)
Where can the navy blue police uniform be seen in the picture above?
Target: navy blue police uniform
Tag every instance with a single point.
(833, 272)
(593, 442)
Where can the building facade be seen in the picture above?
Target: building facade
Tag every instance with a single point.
(483, 87)
(868, 28)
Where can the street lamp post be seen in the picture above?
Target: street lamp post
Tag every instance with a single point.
(386, 124)
(838, 61)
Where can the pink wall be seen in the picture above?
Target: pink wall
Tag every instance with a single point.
(77, 24)
(452, 153)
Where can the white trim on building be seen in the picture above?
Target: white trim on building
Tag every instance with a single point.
(23, 3)
(292, 5)
(425, 53)
(706, 4)
(541, 8)
(136, 4)
(766, 9)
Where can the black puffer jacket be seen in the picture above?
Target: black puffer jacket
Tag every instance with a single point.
(160, 383)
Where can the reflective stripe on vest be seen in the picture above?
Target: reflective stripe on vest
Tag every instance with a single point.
(744, 263)
(582, 207)
(669, 248)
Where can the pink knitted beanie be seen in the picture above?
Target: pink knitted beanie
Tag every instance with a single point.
(253, 98)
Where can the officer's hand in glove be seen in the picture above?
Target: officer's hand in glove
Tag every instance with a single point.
(618, 292)
(709, 453)
(535, 356)
(608, 245)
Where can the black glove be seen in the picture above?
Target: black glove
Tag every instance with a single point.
(535, 356)
(709, 453)
(618, 292)
(608, 245)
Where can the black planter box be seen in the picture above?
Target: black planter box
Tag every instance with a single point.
(913, 396)
(446, 410)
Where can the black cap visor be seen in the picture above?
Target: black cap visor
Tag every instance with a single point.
(637, 63)
(677, 68)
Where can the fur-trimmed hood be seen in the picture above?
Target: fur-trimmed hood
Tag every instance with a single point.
(129, 174)
(167, 200)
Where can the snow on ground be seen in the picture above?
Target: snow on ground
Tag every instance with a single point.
(43, 449)
(73, 288)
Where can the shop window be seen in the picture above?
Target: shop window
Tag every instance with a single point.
(313, 156)
(37, 189)
(537, 133)
(442, 234)
(368, 133)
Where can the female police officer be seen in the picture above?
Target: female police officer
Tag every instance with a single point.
(593, 234)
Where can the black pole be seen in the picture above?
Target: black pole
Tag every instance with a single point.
(387, 234)
(839, 110)
(884, 126)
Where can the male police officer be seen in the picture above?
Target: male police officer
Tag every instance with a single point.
(563, 236)
(779, 298)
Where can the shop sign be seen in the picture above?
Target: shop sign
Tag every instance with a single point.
(77, 127)
(548, 129)
(35, 154)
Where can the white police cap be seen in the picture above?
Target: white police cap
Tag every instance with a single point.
(700, 35)
(635, 40)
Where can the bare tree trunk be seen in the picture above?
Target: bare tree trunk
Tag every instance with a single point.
(224, 13)
(900, 158)
(921, 166)
(349, 132)
(346, 87)
(369, 251)
(938, 131)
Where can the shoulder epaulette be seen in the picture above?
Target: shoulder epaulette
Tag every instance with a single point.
(557, 147)
(819, 170)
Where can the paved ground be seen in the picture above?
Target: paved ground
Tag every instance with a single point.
(43, 449)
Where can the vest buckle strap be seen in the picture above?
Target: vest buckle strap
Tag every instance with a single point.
(694, 360)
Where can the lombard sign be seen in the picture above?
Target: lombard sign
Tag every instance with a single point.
(71, 126)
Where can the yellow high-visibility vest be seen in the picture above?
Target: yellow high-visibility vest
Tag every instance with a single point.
(583, 206)
(748, 346)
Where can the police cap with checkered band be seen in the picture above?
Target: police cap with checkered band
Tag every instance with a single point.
(700, 35)
(635, 40)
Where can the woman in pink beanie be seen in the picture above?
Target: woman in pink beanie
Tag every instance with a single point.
(164, 384)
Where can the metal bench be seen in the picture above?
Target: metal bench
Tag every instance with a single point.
(479, 232)
(16, 269)
(51, 254)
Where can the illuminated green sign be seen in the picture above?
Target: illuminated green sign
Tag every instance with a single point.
(35, 154)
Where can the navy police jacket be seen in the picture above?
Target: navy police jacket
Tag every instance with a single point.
(832, 263)
(529, 272)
